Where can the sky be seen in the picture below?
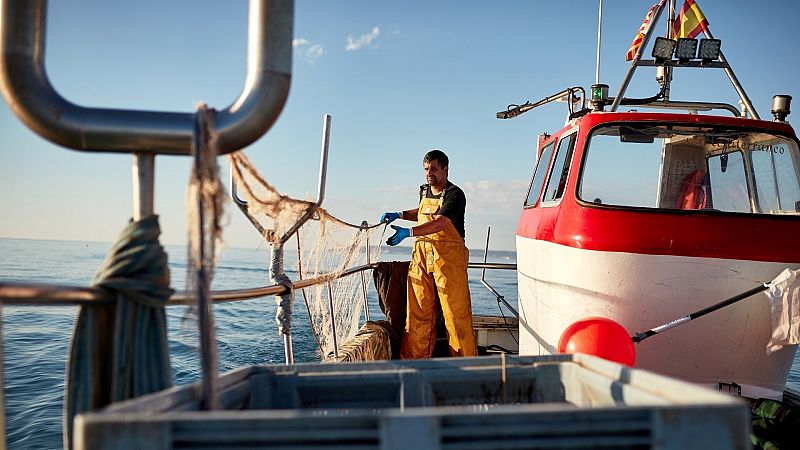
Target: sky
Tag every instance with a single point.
(398, 79)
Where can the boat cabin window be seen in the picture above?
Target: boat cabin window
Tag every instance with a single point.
(726, 173)
(776, 185)
(620, 172)
(691, 167)
(558, 175)
(538, 175)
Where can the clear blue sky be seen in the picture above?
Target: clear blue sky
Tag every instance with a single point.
(417, 75)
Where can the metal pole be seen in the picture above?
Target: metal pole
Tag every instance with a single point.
(629, 75)
(333, 321)
(599, 39)
(364, 224)
(668, 69)
(323, 176)
(323, 163)
(639, 337)
(288, 351)
(143, 184)
(734, 81)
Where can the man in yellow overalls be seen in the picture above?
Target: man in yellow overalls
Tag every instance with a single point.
(438, 264)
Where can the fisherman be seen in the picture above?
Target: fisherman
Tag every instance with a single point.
(438, 264)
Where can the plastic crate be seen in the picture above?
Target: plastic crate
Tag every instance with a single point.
(561, 401)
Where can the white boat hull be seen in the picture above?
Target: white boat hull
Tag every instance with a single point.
(560, 284)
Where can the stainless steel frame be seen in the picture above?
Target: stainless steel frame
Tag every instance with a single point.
(721, 64)
(27, 89)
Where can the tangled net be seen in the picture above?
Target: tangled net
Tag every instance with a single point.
(326, 247)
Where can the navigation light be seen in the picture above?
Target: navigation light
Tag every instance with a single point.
(599, 96)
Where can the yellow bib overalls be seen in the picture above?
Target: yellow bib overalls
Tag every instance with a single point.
(438, 263)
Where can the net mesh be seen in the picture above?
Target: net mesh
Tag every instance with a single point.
(326, 248)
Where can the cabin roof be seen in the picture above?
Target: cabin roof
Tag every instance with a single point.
(595, 118)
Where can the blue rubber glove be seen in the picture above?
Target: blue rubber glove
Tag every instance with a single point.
(400, 233)
(390, 217)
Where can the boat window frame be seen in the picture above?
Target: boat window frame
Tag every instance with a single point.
(748, 181)
(655, 122)
(572, 137)
(525, 204)
(756, 196)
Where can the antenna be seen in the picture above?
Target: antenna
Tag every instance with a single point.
(599, 40)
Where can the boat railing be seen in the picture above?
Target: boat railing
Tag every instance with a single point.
(19, 293)
(41, 294)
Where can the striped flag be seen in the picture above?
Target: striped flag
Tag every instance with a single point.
(637, 41)
(690, 21)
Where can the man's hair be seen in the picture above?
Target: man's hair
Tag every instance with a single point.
(436, 155)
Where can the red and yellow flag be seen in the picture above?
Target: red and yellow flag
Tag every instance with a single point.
(637, 41)
(690, 21)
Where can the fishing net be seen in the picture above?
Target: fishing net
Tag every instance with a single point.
(324, 246)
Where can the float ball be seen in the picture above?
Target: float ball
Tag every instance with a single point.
(599, 337)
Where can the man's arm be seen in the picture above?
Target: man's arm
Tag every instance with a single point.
(409, 214)
(434, 226)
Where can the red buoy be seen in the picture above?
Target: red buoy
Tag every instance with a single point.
(599, 337)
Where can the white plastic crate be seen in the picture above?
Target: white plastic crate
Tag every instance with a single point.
(563, 401)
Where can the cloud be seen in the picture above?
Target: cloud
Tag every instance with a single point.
(308, 50)
(494, 197)
(363, 40)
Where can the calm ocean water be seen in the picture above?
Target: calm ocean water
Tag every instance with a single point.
(36, 339)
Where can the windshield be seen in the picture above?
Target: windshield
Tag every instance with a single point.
(691, 167)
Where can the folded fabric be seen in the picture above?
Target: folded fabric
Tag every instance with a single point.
(784, 301)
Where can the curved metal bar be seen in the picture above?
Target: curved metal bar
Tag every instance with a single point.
(27, 89)
(696, 106)
(39, 294)
(323, 177)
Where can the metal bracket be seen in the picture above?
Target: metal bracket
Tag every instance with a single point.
(570, 94)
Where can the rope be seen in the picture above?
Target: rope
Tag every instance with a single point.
(205, 197)
(240, 163)
(121, 351)
(276, 275)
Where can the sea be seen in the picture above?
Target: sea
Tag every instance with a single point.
(36, 338)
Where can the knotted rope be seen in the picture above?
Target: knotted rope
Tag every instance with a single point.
(120, 351)
(277, 276)
(204, 198)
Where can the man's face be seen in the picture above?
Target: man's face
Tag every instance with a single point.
(435, 174)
